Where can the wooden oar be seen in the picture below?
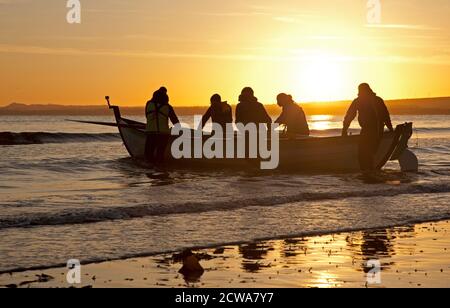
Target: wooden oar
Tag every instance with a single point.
(108, 124)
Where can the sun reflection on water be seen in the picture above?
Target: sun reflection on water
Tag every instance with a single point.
(321, 122)
(325, 280)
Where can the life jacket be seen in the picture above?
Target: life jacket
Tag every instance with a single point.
(157, 118)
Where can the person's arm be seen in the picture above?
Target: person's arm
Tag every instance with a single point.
(282, 118)
(173, 116)
(205, 118)
(265, 116)
(238, 114)
(387, 116)
(349, 117)
(146, 108)
(230, 115)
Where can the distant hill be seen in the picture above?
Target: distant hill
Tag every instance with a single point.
(73, 110)
(420, 106)
(424, 106)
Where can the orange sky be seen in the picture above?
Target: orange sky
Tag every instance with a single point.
(315, 49)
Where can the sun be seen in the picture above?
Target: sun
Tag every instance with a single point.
(321, 78)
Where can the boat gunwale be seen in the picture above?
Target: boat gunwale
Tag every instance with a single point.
(399, 131)
(284, 139)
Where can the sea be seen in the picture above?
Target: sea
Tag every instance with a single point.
(71, 191)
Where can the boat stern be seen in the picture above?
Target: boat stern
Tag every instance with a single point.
(407, 159)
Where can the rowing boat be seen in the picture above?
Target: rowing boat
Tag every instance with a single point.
(333, 154)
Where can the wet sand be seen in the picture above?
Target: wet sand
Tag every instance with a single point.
(410, 256)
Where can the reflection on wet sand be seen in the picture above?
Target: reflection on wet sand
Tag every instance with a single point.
(372, 245)
(291, 248)
(253, 256)
(412, 256)
(378, 245)
(324, 261)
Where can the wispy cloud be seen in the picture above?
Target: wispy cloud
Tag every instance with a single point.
(5, 2)
(274, 12)
(329, 38)
(401, 27)
(38, 50)
(279, 10)
(286, 19)
(139, 37)
(231, 14)
(295, 56)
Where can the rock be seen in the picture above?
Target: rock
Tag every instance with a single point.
(192, 264)
(191, 270)
(219, 251)
(44, 278)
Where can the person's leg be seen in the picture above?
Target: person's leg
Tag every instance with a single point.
(368, 147)
(163, 140)
(150, 148)
(375, 145)
(364, 155)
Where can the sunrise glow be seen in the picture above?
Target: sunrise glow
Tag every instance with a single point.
(315, 50)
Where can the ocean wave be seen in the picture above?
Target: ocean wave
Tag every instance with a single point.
(10, 138)
(433, 129)
(71, 217)
(27, 138)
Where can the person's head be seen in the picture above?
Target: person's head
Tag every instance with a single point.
(247, 95)
(163, 90)
(284, 99)
(160, 96)
(164, 100)
(247, 91)
(216, 99)
(365, 90)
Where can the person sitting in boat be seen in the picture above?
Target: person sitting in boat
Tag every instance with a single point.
(293, 116)
(373, 116)
(249, 110)
(158, 112)
(219, 112)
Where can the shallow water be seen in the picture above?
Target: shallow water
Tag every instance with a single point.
(74, 193)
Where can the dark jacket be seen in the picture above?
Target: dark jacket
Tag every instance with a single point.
(372, 113)
(220, 113)
(253, 112)
(294, 118)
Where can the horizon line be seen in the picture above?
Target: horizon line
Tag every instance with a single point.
(205, 105)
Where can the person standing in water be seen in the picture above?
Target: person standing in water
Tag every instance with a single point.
(293, 116)
(158, 113)
(373, 116)
(249, 110)
(219, 112)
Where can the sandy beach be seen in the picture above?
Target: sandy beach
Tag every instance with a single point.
(410, 256)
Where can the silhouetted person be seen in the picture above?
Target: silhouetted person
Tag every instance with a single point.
(158, 112)
(373, 115)
(219, 112)
(249, 110)
(293, 116)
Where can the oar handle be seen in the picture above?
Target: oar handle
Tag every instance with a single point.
(107, 100)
